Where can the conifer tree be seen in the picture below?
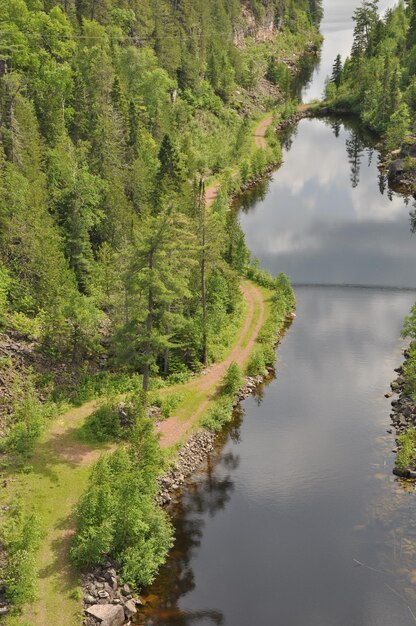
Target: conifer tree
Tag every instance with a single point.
(337, 71)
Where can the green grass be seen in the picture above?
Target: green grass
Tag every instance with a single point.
(59, 475)
(406, 456)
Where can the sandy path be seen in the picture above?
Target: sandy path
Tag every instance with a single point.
(173, 429)
(260, 132)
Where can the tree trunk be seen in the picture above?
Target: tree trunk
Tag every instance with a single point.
(149, 328)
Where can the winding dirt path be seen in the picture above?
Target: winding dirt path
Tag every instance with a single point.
(174, 429)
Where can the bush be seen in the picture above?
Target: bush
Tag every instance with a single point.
(219, 414)
(4, 290)
(170, 403)
(118, 516)
(407, 453)
(167, 404)
(113, 421)
(30, 417)
(106, 384)
(232, 380)
(20, 536)
(256, 363)
(28, 326)
(409, 371)
(103, 425)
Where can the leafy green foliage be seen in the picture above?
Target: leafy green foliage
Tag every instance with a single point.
(103, 425)
(117, 516)
(29, 418)
(219, 414)
(232, 380)
(167, 403)
(282, 302)
(377, 81)
(20, 536)
(257, 363)
(4, 290)
(101, 140)
(406, 456)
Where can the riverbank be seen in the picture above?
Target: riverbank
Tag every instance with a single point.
(403, 418)
(102, 592)
(398, 163)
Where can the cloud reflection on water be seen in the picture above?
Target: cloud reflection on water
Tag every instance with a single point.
(315, 226)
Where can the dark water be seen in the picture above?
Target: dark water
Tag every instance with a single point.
(274, 526)
(297, 519)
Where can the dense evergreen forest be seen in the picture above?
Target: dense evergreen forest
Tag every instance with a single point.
(378, 79)
(113, 114)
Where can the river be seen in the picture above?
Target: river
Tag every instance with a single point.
(297, 519)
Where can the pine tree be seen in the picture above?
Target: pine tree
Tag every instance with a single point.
(337, 71)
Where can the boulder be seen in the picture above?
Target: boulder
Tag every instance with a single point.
(397, 168)
(107, 614)
(408, 150)
(130, 608)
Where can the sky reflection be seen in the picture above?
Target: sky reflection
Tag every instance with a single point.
(324, 219)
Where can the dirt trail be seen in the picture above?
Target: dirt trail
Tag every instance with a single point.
(173, 429)
(261, 143)
(260, 132)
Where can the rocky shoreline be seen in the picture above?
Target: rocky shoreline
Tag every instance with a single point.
(106, 601)
(403, 416)
(401, 168)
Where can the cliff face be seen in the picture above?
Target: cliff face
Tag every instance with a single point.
(259, 30)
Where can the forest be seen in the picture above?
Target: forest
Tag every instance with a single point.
(378, 79)
(113, 116)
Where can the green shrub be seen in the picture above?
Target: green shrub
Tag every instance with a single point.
(118, 516)
(30, 417)
(28, 326)
(103, 425)
(166, 403)
(256, 363)
(178, 378)
(219, 414)
(170, 403)
(407, 452)
(113, 421)
(269, 354)
(232, 380)
(106, 384)
(4, 290)
(21, 536)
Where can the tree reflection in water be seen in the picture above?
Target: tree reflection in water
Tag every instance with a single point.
(207, 493)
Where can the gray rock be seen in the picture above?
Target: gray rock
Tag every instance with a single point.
(89, 599)
(107, 614)
(125, 590)
(130, 608)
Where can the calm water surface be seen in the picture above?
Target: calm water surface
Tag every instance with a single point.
(297, 520)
